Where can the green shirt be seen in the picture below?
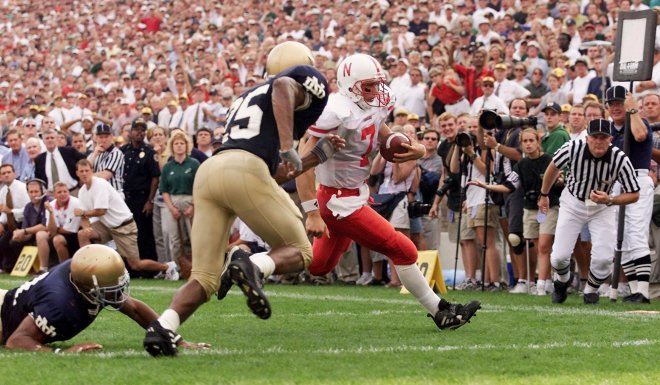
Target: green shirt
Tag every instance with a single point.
(177, 178)
(554, 139)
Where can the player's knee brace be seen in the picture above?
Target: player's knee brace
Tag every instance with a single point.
(516, 242)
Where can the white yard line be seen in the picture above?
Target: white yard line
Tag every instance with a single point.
(379, 349)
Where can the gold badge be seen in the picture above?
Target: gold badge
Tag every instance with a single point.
(141, 155)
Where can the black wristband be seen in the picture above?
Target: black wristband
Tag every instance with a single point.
(543, 195)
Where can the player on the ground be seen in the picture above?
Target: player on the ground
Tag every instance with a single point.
(357, 113)
(242, 180)
(59, 304)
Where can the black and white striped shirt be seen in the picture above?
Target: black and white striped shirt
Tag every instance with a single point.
(112, 161)
(587, 173)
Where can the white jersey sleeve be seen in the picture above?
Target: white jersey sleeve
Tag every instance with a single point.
(334, 114)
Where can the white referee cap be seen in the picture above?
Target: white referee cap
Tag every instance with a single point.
(600, 127)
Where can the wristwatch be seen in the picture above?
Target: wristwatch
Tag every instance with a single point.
(632, 111)
(610, 202)
(473, 156)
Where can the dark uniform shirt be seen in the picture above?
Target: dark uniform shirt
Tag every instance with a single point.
(528, 174)
(640, 152)
(140, 166)
(251, 123)
(56, 306)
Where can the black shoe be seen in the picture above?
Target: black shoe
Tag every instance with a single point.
(246, 275)
(234, 254)
(160, 341)
(636, 298)
(453, 316)
(561, 290)
(590, 298)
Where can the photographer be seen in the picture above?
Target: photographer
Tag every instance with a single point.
(482, 217)
(526, 177)
(431, 175)
(451, 187)
(505, 142)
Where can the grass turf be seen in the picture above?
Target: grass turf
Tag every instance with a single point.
(358, 335)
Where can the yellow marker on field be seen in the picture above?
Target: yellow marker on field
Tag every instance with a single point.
(26, 261)
(429, 263)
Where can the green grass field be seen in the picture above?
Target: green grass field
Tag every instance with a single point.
(362, 335)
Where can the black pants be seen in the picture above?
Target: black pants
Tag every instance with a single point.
(9, 251)
(146, 243)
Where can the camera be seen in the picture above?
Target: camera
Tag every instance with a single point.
(463, 139)
(446, 185)
(532, 196)
(490, 120)
(418, 209)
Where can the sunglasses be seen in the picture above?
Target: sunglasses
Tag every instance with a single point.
(487, 85)
(430, 138)
(29, 125)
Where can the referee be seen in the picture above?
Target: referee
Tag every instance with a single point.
(594, 165)
(635, 253)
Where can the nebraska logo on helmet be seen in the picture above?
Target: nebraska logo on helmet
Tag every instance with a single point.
(361, 79)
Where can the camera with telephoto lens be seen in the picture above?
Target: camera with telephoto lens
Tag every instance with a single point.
(490, 120)
(418, 209)
(446, 185)
(463, 139)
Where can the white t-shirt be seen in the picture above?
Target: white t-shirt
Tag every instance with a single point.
(64, 217)
(101, 195)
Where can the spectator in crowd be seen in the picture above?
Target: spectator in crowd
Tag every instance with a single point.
(62, 227)
(204, 138)
(176, 186)
(556, 134)
(414, 97)
(554, 94)
(193, 115)
(18, 156)
(577, 124)
(488, 101)
(506, 89)
(34, 220)
(107, 160)
(114, 221)
(158, 141)
(141, 174)
(13, 199)
(431, 173)
(578, 87)
(536, 87)
(57, 163)
(472, 72)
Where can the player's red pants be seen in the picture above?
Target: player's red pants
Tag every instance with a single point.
(364, 226)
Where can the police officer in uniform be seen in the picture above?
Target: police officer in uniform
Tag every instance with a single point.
(241, 180)
(141, 174)
(636, 255)
(594, 166)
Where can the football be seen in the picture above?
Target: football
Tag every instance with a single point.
(391, 144)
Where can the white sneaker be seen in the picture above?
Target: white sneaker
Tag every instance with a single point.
(540, 287)
(520, 288)
(604, 290)
(171, 274)
(364, 279)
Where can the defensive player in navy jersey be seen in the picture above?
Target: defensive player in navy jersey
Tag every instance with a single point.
(242, 180)
(58, 305)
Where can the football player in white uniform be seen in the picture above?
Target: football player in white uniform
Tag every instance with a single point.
(357, 113)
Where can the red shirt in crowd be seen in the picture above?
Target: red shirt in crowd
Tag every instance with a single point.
(152, 23)
(445, 94)
(470, 77)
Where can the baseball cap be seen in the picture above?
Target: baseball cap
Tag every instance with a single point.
(553, 106)
(413, 117)
(558, 72)
(615, 93)
(173, 103)
(88, 118)
(488, 79)
(139, 123)
(583, 60)
(464, 34)
(400, 111)
(146, 110)
(103, 129)
(375, 24)
(500, 66)
(600, 127)
(570, 21)
(589, 98)
(566, 107)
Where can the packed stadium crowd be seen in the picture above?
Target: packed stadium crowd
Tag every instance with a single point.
(107, 109)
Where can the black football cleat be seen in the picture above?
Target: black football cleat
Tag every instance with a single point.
(453, 316)
(591, 298)
(246, 275)
(160, 341)
(234, 254)
(637, 298)
(561, 290)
